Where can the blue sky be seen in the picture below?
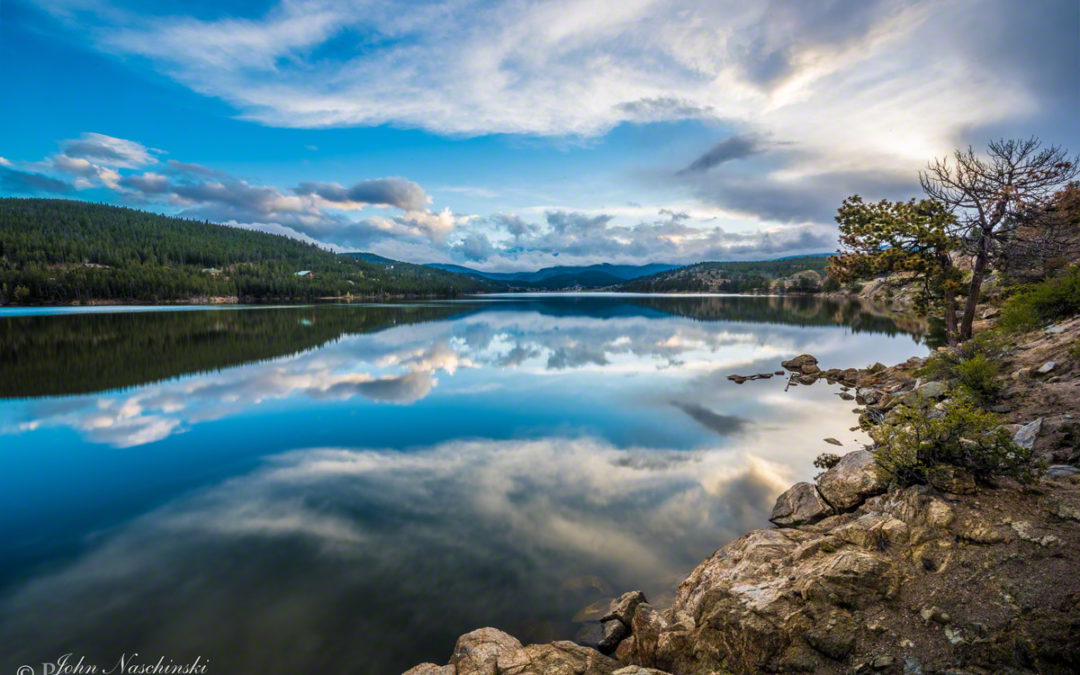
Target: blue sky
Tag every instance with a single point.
(518, 135)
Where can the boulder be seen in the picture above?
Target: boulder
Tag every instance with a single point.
(866, 395)
(932, 389)
(1046, 367)
(480, 651)
(488, 651)
(799, 505)
(622, 607)
(853, 479)
(1026, 435)
(556, 658)
(430, 669)
(796, 364)
(614, 632)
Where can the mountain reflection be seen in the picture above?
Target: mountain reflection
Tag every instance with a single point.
(375, 353)
(57, 355)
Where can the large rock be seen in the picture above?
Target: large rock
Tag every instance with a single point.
(932, 389)
(479, 652)
(801, 504)
(1026, 435)
(622, 607)
(430, 669)
(853, 479)
(556, 658)
(613, 633)
(803, 363)
(488, 651)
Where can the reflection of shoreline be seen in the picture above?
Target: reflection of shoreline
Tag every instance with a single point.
(81, 353)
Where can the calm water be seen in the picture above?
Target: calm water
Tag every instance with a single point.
(288, 489)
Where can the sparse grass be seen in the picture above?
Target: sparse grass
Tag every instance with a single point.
(912, 447)
(1041, 303)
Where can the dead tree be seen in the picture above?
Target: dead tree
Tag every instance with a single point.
(990, 196)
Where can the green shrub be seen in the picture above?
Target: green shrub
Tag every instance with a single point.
(973, 366)
(977, 378)
(912, 447)
(1043, 302)
(826, 461)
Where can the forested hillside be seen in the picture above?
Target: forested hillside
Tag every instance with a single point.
(802, 274)
(60, 251)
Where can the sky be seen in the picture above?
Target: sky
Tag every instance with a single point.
(517, 135)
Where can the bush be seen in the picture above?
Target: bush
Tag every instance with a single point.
(913, 448)
(977, 378)
(1043, 302)
(973, 366)
(826, 461)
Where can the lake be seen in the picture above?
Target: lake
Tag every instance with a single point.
(287, 489)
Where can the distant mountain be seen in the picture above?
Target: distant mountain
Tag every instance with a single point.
(371, 258)
(794, 273)
(565, 276)
(63, 251)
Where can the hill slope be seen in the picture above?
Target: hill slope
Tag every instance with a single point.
(734, 277)
(61, 251)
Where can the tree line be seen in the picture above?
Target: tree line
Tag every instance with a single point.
(62, 251)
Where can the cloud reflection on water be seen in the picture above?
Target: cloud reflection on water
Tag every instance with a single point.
(327, 555)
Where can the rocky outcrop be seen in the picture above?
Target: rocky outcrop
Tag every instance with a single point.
(487, 651)
(908, 579)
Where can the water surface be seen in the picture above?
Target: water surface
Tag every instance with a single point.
(302, 488)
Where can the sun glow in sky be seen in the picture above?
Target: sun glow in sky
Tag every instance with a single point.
(519, 135)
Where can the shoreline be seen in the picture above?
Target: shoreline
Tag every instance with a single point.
(860, 576)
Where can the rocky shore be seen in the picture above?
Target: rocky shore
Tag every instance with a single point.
(957, 576)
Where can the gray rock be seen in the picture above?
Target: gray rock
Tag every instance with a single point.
(1046, 367)
(1000, 409)
(932, 389)
(1026, 435)
(1062, 470)
(801, 504)
(622, 607)
(866, 394)
(614, 632)
(1054, 330)
(590, 634)
(853, 479)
